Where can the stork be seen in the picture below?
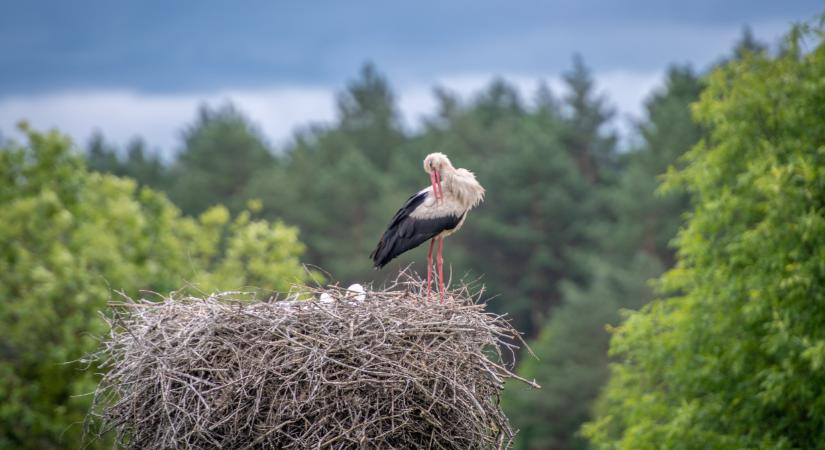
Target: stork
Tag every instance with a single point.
(432, 213)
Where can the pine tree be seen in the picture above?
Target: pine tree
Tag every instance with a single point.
(587, 115)
(368, 117)
(144, 167)
(102, 156)
(222, 153)
(631, 248)
(644, 220)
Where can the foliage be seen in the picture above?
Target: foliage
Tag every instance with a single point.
(571, 364)
(222, 151)
(68, 238)
(632, 242)
(593, 150)
(733, 358)
(137, 163)
(257, 255)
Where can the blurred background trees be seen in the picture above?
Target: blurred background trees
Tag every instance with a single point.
(631, 247)
(137, 163)
(221, 152)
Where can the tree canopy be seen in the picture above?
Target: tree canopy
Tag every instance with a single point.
(631, 246)
(222, 151)
(70, 239)
(731, 355)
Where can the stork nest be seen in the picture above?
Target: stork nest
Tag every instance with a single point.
(391, 370)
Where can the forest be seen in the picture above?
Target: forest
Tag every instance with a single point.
(672, 287)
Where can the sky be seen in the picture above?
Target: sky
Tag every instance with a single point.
(142, 68)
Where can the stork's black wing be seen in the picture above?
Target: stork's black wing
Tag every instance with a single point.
(405, 232)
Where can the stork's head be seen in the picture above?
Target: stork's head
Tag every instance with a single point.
(434, 165)
(436, 162)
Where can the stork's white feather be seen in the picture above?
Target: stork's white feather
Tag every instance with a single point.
(461, 192)
(462, 185)
(326, 298)
(431, 209)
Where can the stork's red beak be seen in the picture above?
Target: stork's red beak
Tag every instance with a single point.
(435, 179)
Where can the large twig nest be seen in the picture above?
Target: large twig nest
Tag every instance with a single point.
(388, 371)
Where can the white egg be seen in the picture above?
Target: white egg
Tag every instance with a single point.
(359, 291)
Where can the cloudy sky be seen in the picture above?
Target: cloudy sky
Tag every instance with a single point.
(142, 67)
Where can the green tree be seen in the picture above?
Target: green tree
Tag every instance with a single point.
(145, 168)
(249, 254)
(572, 364)
(748, 44)
(734, 357)
(587, 114)
(631, 248)
(368, 117)
(102, 156)
(222, 153)
(642, 220)
(68, 238)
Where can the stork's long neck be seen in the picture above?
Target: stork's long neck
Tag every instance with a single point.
(461, 184)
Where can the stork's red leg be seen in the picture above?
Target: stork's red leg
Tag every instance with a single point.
(430, 268)
(441, 268)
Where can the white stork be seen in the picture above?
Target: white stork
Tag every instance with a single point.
(432, 213)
